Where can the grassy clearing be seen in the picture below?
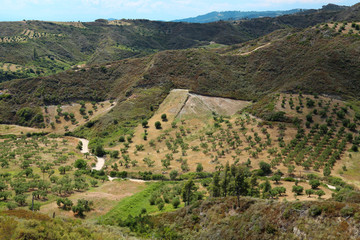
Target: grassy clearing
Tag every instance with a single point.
(134, 204)
(105, 197)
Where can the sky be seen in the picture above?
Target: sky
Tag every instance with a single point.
(89, 10)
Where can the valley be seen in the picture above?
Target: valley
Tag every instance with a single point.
(139, 129)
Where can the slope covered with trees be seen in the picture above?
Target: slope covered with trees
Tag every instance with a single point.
(45, 48)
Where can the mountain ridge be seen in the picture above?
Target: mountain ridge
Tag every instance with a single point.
(235, 15)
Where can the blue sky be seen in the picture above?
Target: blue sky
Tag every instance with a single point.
(89, 10)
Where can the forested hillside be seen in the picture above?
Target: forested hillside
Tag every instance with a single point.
(34, 48)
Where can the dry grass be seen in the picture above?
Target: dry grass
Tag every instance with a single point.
(102, 108)
(104, 198)
(347, 27)
(15, 129)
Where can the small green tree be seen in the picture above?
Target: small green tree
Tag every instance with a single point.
(11, 205)
(309, 192)
(81, 207)
(34, 207)
(164, 117)
(144, 123)
(297, 189)
(80, 145)
(265, 167)
(165, 163)
(158, 125)
(188, 191)
(80, 164)
(173, 174)
(175, 202)
(20, 199)
(199, 167)
(93, 182)
(276, 178)
(320, 193)
(314, 183)
(99, 150)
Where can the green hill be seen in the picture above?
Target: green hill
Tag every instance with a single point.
(292, 61)
(44, 48)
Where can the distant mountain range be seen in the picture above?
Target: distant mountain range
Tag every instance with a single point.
(235, 15)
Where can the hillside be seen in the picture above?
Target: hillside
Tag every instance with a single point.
(235, 15)
(258, 219)
(236, 130)
(290, 61)
(36, 48)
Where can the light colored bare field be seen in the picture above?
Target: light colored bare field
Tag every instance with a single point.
(104, 198)
(347, 29)
(10, 67)
(198, 106)
(289, 195)
(119, 23)
(17, 130)
(74, 24)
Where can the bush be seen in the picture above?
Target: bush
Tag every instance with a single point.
(315, 211)
(99, 150)
(314, 183)
(173, 174)
(161, 205)
(297, 189)
(36, 207)
(11, 205)
(354, 148)
(265, 167)
(80, 164)
(175, 202)
(347, 211)
(164, 117)
(199, 167)
(289, 179)
(276, 117)
(158, 125)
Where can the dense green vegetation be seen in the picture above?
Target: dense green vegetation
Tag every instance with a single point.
(22, 224)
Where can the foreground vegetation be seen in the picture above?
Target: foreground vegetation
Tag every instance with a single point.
(180, 165)
(22, 224)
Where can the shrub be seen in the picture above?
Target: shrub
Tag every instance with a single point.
(315, 211)
(161, 205)
(354, 148)
(265, 167)
(164, 117)
(347, 211)
(276, 116)
(158, 125)
(11, 205)
(199, 167)
(297, 189)
(80, 164)
(173, 174)
(99, 150)
(320, 193)
(314, 183)
(309, 192)
(175, 202)
(144, 123)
